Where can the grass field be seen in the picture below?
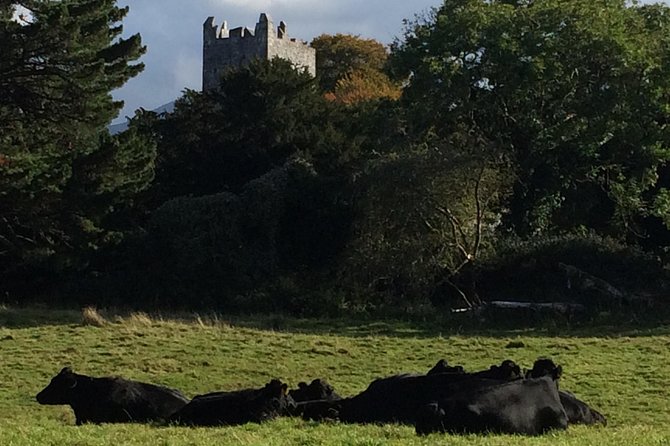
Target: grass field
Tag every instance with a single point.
(623, 372)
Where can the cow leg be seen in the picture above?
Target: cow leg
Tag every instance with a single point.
(429, 419)
(549, 418)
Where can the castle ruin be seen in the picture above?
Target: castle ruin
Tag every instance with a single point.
(224, 48)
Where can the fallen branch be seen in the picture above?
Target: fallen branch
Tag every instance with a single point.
(557, 307)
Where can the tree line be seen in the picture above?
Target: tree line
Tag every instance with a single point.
(491, 143)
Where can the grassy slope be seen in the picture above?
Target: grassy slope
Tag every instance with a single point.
(625, 375)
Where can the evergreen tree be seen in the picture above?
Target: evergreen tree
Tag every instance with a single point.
(60, 61)
(260, 116)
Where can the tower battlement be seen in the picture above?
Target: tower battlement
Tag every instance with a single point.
(225, 48)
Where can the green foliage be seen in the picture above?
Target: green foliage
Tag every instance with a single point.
(350, 69)
(106, 183)
(259, 117)
(60, 225)
(363, 86)
(226, 249)
(423, 213)
(251, 185)
(622, 372)
(575, 91)
(202, 248)
(340, 55)
(58, 67)
(60, 176)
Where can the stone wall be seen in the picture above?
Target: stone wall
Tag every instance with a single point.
(224, 48)
(294, 50)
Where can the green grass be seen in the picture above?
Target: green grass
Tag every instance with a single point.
(625, 373)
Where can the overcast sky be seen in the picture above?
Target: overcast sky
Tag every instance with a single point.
(172, 32)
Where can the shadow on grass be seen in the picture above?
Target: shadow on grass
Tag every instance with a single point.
(450, 326)
(435, 326)
(37, 316)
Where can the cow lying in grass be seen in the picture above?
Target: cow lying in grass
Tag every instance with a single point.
(525, 406)
(410, 397)
(577, 411)
(446, 399)
(236, 407)
(111, 399)
(317, 390)
(398, 399)
(315, 401)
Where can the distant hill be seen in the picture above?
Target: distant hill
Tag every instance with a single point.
(123, 126)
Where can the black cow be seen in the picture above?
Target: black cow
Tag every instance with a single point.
(399, 398)
(578, 411)
(315, 401)
(506, 371)
(111, 399)
(236, 407)
(318, 389)
(545, 367)
(528, 406)
(443, 367)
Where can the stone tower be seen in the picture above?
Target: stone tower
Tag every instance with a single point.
(223, 48)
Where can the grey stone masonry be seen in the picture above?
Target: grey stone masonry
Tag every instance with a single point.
(230, 48)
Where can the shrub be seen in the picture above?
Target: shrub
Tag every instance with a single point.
(530, 270)
(423, 211)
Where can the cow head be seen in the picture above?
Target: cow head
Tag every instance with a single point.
(318, 389)
(59, 390)
(598, 417)
(277, 398)
(507, 370)
(545, 367)
(443, 367)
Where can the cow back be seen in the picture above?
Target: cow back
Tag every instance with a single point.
(399, 398)
(236, 407)
(578, 412)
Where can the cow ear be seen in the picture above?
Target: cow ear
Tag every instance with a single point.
(65, 371)
(558, 371)
(73, 383)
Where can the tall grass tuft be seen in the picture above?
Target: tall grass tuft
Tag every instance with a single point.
(91, 316)
(139, 319)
